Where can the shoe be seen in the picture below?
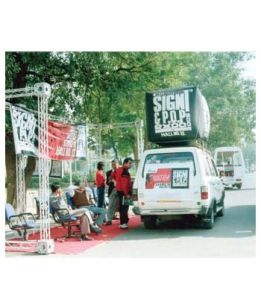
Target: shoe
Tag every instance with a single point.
(116, 216)
(95, 228)
(109, 223)
(86, 238)
(124, 226)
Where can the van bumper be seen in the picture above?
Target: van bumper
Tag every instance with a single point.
(203, 210)
(231, 181)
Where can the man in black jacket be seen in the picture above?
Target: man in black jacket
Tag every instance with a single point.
(112, 194)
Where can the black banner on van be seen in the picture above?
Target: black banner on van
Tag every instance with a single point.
(175, 115)
(180, 178)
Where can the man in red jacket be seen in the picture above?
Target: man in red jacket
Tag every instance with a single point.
(123, 187)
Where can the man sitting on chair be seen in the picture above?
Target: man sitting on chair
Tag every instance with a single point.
(57, 202)
(83, 199)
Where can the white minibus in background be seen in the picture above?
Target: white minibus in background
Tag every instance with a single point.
(231, 166)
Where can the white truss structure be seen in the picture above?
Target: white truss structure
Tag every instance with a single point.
(20, 183)
(45, 245)
(24, 246)
(139, 134)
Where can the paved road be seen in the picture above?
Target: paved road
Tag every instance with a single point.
(232, 236)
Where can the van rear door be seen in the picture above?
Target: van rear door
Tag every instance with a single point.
(170, 181)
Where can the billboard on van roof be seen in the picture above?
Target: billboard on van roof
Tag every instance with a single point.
(177, 115)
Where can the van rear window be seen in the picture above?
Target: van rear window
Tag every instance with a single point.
(165, 158)
(229, 158)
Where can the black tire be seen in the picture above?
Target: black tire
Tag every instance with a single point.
(221, 212)
(150, 222)
(239, 186)
(208, 221)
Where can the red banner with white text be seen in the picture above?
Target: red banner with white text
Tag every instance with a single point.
(62, 141)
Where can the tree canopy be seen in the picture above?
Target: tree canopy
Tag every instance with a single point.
(106, 87)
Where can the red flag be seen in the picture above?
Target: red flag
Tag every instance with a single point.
(62, 139)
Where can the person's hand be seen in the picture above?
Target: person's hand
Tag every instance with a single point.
(128, 196)
(92, 201)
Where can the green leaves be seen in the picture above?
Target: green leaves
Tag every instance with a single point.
(109, 87)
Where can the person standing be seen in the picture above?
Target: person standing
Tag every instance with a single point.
(112, 193)
(110, 182)
(123, 187)
(100, 184)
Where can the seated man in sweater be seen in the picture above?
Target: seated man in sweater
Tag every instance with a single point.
(90, 190)
(57, 202)
(83, 199)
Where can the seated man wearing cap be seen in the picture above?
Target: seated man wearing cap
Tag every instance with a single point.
(83, 199)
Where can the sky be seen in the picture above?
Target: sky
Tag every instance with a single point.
(250, 69)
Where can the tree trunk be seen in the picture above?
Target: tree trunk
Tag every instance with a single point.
(146, 143)
(10, 161)
(20, 79)
(11, 170)
(115, 151)
(135, 148)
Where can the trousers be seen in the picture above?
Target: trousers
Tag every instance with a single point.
(84, 225)
(101, 197)
(100, 212)
(123, 209)
(85, 219)
(113, 204)
(80, 211)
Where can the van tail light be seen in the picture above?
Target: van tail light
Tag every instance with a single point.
(134, 194)
(229, 173)
(204, 192)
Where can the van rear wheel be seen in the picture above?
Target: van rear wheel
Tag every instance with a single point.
(150, 222)
(239, 186)
(221, 212)
(208, 222)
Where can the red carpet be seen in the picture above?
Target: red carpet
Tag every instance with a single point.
(75, 246)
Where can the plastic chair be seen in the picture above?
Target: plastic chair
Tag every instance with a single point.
(19, 222)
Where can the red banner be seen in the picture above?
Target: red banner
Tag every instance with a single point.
(62, 139)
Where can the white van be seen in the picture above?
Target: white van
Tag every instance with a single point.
(230, 163)
(175, 182)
